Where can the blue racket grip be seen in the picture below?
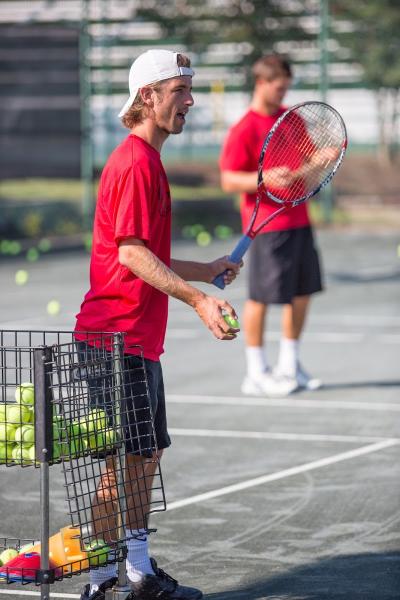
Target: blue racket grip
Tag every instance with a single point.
(236, 256)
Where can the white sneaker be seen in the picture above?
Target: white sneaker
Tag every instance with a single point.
(304, 380)
(268, 384)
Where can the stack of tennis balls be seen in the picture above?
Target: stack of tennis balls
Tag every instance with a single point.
(95, 433)
(17, 434)
(71, 438)
(88, 434)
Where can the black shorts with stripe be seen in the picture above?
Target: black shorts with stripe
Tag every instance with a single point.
(144, 412)
(283, 265)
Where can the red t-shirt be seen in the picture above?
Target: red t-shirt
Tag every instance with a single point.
(240, 152)
(133, 201)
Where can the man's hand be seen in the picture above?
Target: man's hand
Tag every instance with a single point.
(210, 310)
(278, 177)
(220, 265)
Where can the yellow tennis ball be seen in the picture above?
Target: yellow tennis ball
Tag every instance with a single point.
(21, 277)
(19, 414)
(7, 432)
(232, 322)
(53, 307)
(21, 453)
(6, 452)
(25, 434)
(25, 393)
(203, 238)
(7, 555)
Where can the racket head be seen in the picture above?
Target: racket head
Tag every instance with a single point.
(301, 153)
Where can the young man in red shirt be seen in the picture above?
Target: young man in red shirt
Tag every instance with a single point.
(283, 261)
(132, 275)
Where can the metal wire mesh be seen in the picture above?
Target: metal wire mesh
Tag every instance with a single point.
(108, 438)
(93, 412)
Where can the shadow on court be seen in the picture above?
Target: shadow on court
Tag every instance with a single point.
(347, 577)
(362, 384)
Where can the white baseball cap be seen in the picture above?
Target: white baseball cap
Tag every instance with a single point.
(150, 67)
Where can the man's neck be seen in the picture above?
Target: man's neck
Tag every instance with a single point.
(263, 108)
(150, 133)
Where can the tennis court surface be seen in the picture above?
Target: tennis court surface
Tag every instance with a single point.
(284, 499)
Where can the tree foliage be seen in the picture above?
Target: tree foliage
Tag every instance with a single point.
(255, 24)
(374, 41)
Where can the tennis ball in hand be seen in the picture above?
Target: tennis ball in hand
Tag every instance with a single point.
(25, 394)
(97, 552)
(18, 414)
(25, 434)
(232, 322)
(8, 555)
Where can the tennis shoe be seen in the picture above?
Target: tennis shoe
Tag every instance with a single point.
(163, 587)
(306, 381)
(100, 594)
(268, 384)
(303, 379)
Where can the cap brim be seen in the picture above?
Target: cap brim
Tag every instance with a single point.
(126, 106)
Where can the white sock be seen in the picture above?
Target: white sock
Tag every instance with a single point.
(138, 560)
(288, 356)
(256, 361)
(100, 575)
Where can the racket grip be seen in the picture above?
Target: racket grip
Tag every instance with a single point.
(236, 256)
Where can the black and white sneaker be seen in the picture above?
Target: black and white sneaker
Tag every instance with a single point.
(162, 586)
(100, 594)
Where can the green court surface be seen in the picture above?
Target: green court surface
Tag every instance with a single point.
(283, 499)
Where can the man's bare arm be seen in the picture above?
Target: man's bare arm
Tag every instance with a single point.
(239, 181)
(135, 256)
(206, 272)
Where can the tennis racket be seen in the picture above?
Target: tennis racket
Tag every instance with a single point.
(299, 156)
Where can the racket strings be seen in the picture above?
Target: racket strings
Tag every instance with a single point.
(303, 152)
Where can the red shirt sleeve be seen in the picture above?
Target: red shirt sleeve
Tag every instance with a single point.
(134, 198)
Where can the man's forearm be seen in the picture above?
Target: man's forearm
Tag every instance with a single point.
(190, 270)
(143, 263)
(239, 181)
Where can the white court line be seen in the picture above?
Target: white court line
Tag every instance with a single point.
(311, 466)
(266, 435)
(33, 594)
(328, 337)
(317, 464)
(283, 402)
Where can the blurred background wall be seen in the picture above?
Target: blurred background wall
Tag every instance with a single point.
(63, 78)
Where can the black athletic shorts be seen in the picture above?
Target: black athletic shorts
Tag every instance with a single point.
(143, 411)
(282, 265)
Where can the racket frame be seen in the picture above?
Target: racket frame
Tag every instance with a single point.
(245, 241)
